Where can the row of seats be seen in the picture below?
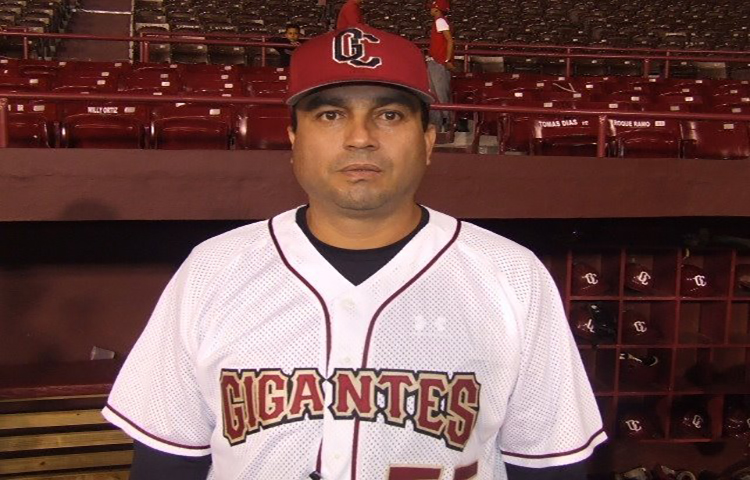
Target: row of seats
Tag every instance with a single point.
(626, 137)
(644, 136)
(605, 93)
(37, 124)
(141, 78)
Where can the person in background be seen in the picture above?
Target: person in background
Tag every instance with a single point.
(440, 61)
(291, 36)
(350, 14)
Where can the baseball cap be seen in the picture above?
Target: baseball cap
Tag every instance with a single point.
(358, 54)
(441, 5)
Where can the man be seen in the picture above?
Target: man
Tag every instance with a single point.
(361, 336)
(440, 62)
(291, 37)
(350, 14)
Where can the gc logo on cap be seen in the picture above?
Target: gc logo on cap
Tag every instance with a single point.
(359, 54)
(349, 47)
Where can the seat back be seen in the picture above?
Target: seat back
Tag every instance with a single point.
(645, 137)
(716, 140)
(192, 127)
(563, 136)
(103, 125)
(264, 127)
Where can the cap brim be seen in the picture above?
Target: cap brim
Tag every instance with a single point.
(427, 98)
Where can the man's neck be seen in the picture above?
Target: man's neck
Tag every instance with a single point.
(359, 232)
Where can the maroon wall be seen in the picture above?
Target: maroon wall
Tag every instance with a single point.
(208, 185)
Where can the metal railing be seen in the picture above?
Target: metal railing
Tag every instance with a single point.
(601, 116)
(467, 49)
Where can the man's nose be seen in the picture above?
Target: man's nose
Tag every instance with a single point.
(361, 133)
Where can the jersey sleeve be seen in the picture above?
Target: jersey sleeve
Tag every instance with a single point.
(441, 25)
(156, 398)
(552, 417)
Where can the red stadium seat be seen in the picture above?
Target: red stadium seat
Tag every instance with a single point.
(103, 125)
(263, 127)
(15, 83)
(71, 84)
(645, 137)
(274, 89)
(223, 84)
(32, 125)
(515, 130)
(192, 127)
(151, 81)
(716, 140)
(563, 136)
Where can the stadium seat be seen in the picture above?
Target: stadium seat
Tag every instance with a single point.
(103, 125)
(274, 89)
(32, 125)
(191, 127)
(563, 136)
(263, 127)
(151, 82)
(645, 137)
(716, 140)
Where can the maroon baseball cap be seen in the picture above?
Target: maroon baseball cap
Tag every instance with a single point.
(359, 54)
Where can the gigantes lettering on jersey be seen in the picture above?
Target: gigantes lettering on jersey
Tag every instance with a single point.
(441, 406)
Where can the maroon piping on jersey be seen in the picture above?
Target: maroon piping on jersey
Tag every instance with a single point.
(371, 328)
(559, 454)
(158, 439)
(310, 287)
(327, 316)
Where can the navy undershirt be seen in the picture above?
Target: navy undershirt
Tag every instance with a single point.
(356, 266)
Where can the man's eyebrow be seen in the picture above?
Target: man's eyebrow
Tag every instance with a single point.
(317, 101)
(323, 100)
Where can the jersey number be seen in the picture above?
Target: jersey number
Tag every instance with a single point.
(420, 472)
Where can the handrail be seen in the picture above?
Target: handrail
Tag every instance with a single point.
(601, 115)
(510, 50)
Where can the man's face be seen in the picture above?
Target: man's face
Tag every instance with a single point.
(292, 34)
(360, 149)
(436, 13)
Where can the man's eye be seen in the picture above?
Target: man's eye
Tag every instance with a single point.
(330, 116)
(391, 115)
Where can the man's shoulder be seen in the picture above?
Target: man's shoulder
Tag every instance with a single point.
(221, 249)
(482, 240)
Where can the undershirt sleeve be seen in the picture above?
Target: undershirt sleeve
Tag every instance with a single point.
(441, 25)
(151, 464)
(575, 471)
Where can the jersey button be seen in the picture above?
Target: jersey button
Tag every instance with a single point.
(348, 304)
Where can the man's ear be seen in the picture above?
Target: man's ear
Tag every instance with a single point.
(429, 141)
(292, 135)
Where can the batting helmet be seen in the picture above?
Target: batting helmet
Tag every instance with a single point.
(593, 323)
(694, 423)
(639, 278)
(736, 422)
(694, 282)
(640, 370)
(587, 281)
(742, 274)
(637, 329)
(636, 425)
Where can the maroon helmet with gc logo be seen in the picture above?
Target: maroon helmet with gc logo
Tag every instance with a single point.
(587, 280)
(694, 282)
(639, 278)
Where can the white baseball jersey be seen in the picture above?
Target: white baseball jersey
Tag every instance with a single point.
(448, 362)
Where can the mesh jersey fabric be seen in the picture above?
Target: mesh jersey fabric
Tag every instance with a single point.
(457, 308)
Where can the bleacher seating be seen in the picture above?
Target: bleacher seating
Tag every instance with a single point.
(93, 125)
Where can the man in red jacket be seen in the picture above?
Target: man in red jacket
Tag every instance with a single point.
(440, 61)
(350, 14)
